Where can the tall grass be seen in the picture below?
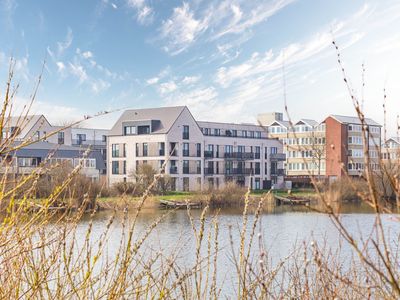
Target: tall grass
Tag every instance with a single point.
(44, 255)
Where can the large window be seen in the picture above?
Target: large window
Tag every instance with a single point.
(185, 149)
(161, 149)
(198, 166)
(60, 137)
(143, 129)
(185, 133)
(198, 150)
(115, 150)
(115, 167)
(145, 149)
(185, 167)
(80, 138)
(258, 152)
(129, 130)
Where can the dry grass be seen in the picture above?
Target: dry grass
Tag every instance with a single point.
(42, 256)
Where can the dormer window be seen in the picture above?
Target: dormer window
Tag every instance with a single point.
(143, 129)
(129, 130)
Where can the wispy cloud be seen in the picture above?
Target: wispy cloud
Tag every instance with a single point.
(167, 87)
(66, 43)
(78, 71)
(182, 29)
(144, 12)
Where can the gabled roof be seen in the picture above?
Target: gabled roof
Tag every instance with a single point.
(308, 122)
(393, 139)
(285, 124)
(165, 115)
(25, 123)
(353, 120)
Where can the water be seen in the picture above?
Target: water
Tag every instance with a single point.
(281, 229)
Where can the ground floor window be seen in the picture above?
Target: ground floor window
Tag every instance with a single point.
(257, 184)
(186, 184)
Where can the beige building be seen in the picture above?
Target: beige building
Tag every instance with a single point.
(198, 154)
(304, 146)
(329, 149)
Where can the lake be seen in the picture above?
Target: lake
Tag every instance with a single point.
(281, 229)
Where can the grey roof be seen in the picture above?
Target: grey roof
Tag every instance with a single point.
(203, 124)
(165, 115)
(309, 122)
(394, 139)
(282, 123)
(354, 120)
(45, 149)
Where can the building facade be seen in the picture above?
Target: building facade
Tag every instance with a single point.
(59, 142)
(197, 155)
(327, 149)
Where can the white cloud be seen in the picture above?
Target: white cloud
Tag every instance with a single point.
(60, 66)
(144, 13)
(99, 85)
(87, 54)
(152, 81)
(64, 45)
(182, 29)
(167, 87)
(190, 79)
(113, 5)
(78, 71)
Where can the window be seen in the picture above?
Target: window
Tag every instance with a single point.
(129, 130)
(115, 167)
(257, 183)
(244, 133)
(258, 152)
(103, 138)
(241, 149)
(186, 184)
(266, 169)
(37, 135)
(124, 150)
(266, 153)
(234, 133)
(60, 137)
(115, 150)
(258, 134)
(145, 129)
(124, 167)
(185, 133)
(198, 150)
(80, 138)
(161, 149)
(185, 149)
(274, 150)
(145, 149)
(27, 162)
(185, 167)
(198, 166)
(217, 132)
(257, 168)
(252, 134)
(137, 149)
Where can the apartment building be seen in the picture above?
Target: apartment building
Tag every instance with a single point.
(61, 146)
(327, 149)
(303, 143)
(197, 154)
(391, 150)
(345, 146)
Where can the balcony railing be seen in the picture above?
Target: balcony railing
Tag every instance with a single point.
(239, 155)
(239, 171)
(278, 172)
(277, 156)
(208, 154)
(208, 171)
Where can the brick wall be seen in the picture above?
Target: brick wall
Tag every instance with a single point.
(336, 147)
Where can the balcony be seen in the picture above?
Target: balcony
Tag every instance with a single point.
(208, 154)
(277, 156)
(239, 155)
(239, 171)
(208, 171)
(278, 172)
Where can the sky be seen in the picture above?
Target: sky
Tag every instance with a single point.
(225, 60)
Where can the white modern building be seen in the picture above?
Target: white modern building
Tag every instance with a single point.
(62, 143)
(198, 154)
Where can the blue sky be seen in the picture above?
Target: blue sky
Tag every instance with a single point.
(223, 59)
